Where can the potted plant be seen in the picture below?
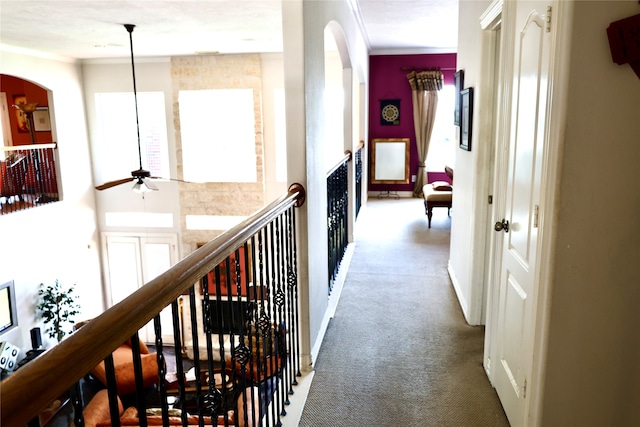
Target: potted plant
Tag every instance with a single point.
(57, 306)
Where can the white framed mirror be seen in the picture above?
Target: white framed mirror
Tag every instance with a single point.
(390, 161)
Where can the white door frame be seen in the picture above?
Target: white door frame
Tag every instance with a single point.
(496, 16)
(558, 83)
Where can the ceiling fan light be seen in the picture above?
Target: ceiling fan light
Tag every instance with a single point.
(141, 187)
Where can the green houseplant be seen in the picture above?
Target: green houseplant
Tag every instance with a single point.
(57, 307)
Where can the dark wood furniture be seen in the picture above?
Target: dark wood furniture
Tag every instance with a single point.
(438, 195)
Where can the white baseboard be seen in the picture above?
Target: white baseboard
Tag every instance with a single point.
(298, 400)
(372, 195)
(338, 284)
(456, 287)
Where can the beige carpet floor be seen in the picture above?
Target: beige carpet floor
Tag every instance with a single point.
(398, 351)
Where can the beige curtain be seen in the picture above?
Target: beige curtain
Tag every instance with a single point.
(424, 93)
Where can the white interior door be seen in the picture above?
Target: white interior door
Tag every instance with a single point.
(132, 261)
(517, 285)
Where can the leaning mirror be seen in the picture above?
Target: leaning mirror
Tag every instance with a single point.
(390, 161)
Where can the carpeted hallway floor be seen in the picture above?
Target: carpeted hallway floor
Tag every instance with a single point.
(398, 351)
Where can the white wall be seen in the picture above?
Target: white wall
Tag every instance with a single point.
(303, 26)
(593, 370)
(272, 79)
(468, 217)
(58, 240)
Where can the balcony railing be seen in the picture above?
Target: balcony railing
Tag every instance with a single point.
(27, 176)
(337, 215)
(234, 301)
(358, 166)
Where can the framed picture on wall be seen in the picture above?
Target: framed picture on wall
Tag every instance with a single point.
(41, 121)
(389, 112)
(458, 81)
(466, 118)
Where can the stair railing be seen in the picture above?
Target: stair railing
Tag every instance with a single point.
(258, 314)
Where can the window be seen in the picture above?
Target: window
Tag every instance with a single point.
(218, 135)
(119, 141)
(442, 146)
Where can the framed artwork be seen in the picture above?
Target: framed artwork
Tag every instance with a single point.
(458, 81)
(389, 112)
(390, 161)
(466, 118)
(41, 121)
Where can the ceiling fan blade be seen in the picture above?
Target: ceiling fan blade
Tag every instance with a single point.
(150, 184)
(162, 178)
(113, 183)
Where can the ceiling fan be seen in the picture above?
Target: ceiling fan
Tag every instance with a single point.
(141, 176)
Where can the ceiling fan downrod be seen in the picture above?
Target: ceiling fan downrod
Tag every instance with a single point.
(130, 28)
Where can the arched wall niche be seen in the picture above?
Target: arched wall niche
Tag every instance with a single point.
(339, 41)
(18, 90)
(338, 66)
(335, 97)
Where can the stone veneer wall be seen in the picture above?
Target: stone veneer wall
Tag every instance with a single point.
(218, 198)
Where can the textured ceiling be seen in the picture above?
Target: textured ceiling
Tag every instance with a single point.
(93, 28)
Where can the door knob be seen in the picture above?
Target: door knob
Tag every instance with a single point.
(502, 225)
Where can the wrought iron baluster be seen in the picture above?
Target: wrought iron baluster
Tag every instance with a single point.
(162, 369)
(137, 373)
(112, 391)
(288, 337)
(358, 181)
(77, 404)
(254, 362)
(195, 342)
(212, 400)
(278, 301)
(175, 312)
(294, 285)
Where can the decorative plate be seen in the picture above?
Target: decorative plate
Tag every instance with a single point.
(390, 113)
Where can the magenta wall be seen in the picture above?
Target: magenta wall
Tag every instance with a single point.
(387, 80)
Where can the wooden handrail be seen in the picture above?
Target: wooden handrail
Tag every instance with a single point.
(30, 146)
(346, 158)
(34, 386)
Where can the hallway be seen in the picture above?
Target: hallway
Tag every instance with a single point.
(398, 351)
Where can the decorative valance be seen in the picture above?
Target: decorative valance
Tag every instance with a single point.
(426, 80)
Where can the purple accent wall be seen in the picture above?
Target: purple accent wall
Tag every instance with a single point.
(387, 80)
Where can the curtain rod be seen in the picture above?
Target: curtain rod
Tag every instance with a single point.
(426, 69)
